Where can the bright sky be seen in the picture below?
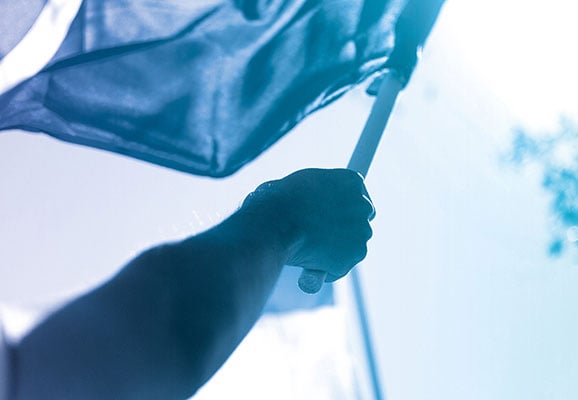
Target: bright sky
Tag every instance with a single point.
(524, 51)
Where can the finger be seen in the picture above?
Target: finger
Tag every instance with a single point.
(358, 210)
(347, 256)
(366, 232)
(367, 198)
(355, 229)
(344, 176)
(332, 278)
(359, 253)
(340, 273)
(357, 180)
(368, 202)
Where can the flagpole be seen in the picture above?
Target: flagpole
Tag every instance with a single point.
(412, 28)
(312, 280)
(360, 161)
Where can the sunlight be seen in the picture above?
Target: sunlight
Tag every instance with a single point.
(523, 51)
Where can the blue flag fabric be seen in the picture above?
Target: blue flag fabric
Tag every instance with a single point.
(205, 86)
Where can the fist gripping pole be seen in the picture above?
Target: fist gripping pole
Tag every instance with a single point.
(311, 280)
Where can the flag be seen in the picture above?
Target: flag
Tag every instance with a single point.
(202, 87)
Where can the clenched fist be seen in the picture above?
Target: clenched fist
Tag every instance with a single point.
(323, 215)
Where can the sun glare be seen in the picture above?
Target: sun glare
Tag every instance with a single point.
(524, 52)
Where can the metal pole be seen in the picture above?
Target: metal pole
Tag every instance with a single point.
(312, 280)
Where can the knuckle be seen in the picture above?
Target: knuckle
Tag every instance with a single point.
(362, 252)
(368, 206)
(352, 177)
(355, 253)
(368, 232)
(362, 231)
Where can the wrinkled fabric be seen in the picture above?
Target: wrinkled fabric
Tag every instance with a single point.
(202, 87)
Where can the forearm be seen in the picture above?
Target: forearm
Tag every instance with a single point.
(163, 325)
(168, 320)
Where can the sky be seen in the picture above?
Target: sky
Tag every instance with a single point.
(470, 304)
(522, 51)
(463, 297)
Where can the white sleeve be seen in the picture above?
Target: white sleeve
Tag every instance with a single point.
(3, 365)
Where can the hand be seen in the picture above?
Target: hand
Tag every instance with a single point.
(324, 213)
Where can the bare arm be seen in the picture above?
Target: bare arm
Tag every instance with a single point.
(172, 316)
